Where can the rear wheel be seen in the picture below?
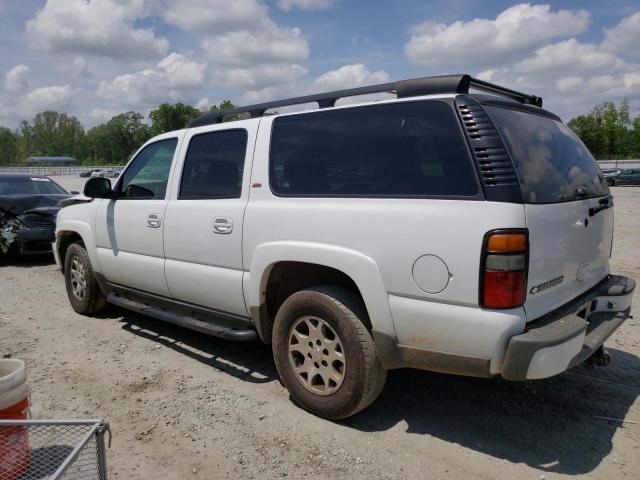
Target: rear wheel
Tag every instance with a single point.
(324, 353)
(83, 291)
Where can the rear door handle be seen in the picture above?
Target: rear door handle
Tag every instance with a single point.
(222, 225)
(154, 220)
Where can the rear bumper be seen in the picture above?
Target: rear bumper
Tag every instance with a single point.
(571, 334)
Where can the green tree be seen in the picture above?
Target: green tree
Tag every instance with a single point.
(605, 130)
(228, 105)
(168, 117)
(8, 146)
(114, 142)
(589, 129)
(52, 133)
(634, 138)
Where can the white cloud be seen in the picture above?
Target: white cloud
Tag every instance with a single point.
(570, 56)
(261, 76)
(242, 44)
(624, 38)
(348, 76)
(16, 80)
(104, 114)
(568, 84)
(204, 104)
(237, 32)
(135, 89)
(182, 73)
(171, 80)
(98, 27)
(517, 30)
(287, 5)
(54, 97)
(268, 44)
(571, 77)
(219, 16)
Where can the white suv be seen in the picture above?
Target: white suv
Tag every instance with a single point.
(441, 230)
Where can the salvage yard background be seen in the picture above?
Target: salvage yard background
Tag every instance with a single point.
(182, 405)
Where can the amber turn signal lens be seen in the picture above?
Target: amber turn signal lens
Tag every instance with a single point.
(507, 242)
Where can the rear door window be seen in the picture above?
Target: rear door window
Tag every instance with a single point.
(397, 149)
(214, 164)
(553, 165)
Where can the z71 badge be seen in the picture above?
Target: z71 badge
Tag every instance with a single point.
(545, 285)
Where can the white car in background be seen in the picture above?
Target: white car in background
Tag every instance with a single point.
(105, 172)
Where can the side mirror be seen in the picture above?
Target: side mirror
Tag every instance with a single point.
(98, 187)
(74, 192)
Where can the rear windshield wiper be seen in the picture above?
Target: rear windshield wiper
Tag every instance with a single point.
(606, 202)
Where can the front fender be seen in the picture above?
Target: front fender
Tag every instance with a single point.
(362, 269)
(82, 228)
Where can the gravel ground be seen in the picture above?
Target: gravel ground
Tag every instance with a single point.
(184, 405)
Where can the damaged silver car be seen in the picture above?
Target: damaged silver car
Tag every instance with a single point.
(28, 208)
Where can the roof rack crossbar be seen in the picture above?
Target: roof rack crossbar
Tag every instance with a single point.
(402, 89)
(506, 92)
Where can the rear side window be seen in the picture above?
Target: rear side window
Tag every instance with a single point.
(397, 149)
(213, 165)
(553, 165)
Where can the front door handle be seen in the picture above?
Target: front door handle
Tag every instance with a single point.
(154, 220)
(222, 225)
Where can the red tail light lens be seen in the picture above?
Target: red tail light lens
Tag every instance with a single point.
(504, 289)
(504, 269)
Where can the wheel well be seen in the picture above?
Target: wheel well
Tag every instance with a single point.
(287, 278)
(66, 239)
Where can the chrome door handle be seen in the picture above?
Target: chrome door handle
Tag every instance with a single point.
(154, 220)
(222, 225)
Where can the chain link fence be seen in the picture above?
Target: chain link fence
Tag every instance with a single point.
(60, 449)
(53, 170)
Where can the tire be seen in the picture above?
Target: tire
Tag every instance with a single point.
(612, 183)
(354, 382)
(83, 290)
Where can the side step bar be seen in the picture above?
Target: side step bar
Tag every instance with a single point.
(183, 320)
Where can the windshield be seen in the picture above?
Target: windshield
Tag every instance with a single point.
(553, 165)
(29, 186)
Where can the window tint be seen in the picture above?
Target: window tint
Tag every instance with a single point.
(407, 148)
(147, 175)
(553, 165)
(213, 165)
(29, 186)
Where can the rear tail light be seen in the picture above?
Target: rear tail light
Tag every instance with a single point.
(503, 275)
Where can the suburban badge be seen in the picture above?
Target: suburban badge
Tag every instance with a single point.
(546, 285)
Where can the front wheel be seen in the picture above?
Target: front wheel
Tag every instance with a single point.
(83, 291)
(324, 353)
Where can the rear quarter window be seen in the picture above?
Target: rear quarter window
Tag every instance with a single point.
(553, 165)
(394, 150)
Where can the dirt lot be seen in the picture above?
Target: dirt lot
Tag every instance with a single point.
(183, 405)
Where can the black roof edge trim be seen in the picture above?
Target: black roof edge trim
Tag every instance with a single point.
(460, 83)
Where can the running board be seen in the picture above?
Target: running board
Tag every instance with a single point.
(183, 320)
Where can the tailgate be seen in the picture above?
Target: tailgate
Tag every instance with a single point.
(568, 252)
(567, 207)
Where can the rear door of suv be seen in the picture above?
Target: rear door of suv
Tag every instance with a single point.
(203, 221)
(567, 207)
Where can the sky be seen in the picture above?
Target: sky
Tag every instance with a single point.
(98, 58)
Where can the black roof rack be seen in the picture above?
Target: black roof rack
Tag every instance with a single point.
(403, 89)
